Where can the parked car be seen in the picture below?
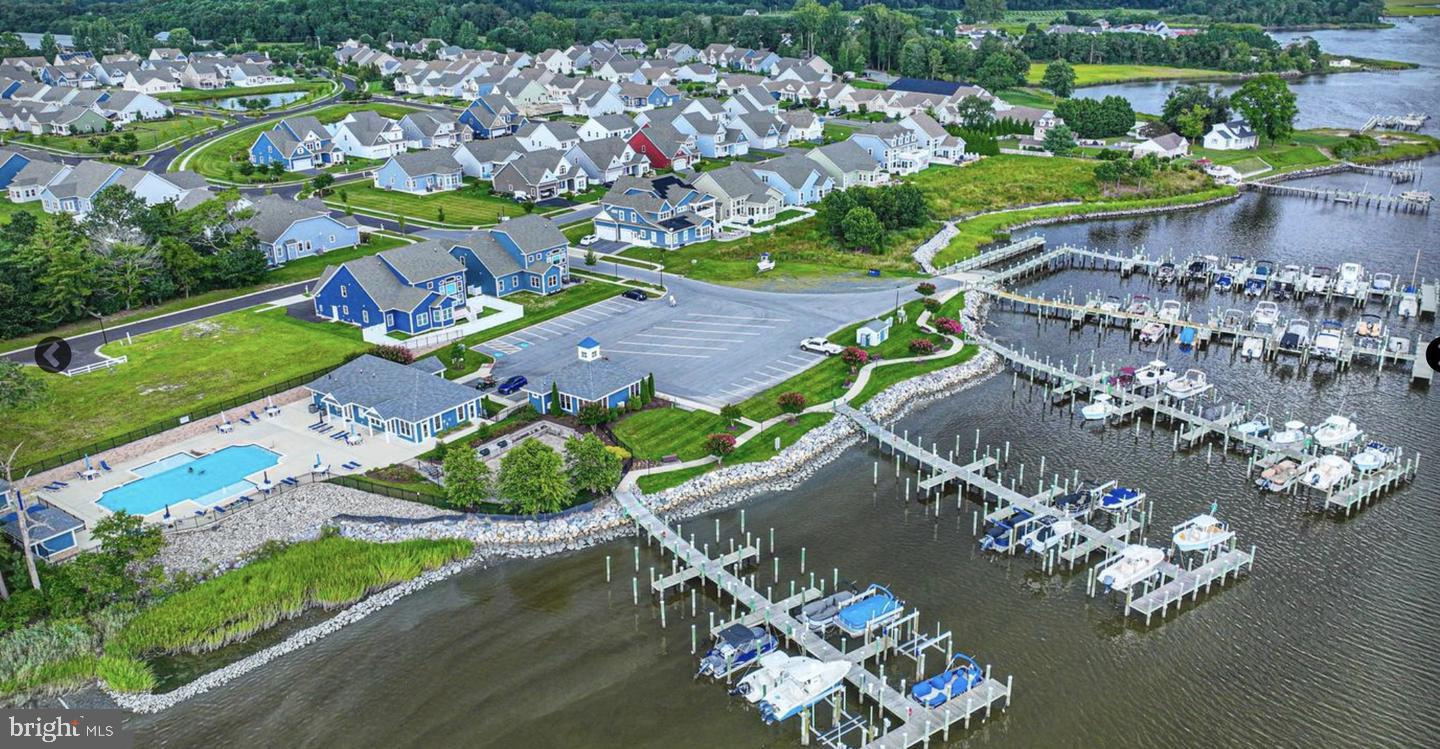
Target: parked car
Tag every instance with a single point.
(512, 385)
(821, 346)
(483, 451)
(637, 295)
(484, 383)
(588, 240)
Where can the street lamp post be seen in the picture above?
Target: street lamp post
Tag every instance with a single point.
(104, 336)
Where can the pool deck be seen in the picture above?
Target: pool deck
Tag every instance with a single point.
(287, 434)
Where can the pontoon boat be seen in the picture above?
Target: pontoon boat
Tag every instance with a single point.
(736, 645)
(871, 609)
(1140, 305)
(1278, 477)
(820, 614)
(961, 675)
(1382, 283)
(1201, 532)
(1189, 386)
(998, 537)
(1409, 301)
(1252, 347)
(1370, 333)
(1076, 503)
(1132, 565)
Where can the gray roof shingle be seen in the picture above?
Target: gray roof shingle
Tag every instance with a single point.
(393, 390)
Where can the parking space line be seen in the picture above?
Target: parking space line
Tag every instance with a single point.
(591, 315)
(559, 322)
(702, 330)
(673, 345)
(724, 324)
(774, 368)
(529, 333)
(761, 383)
(739, 317)
(658, 353)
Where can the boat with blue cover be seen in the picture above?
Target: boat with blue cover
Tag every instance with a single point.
(735, 646)
(961, 675)
(875, 607)
(1119, 499)
(997, 538)
(1076, 503)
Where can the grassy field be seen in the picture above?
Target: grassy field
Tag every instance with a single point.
(657, 432)
(833, 133)
(1029, 97)
(1095, 75)
(171, 373)
(471, 205)
(218, 159)
(1411, 8)
(149, 133)
(1006, 181)
(760, 447)
(8, 209)
(658, 482)
(314, 89)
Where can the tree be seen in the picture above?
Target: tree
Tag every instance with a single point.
(1059, 78)
(18, 388)
(124, 563)
(467, 478)
(999, 72)
(1060, 141)
(1193, 122)
(720, 444)
(791, 403)
(1184, 99)
(729, 412)
(854, 356)
(862, 230)
(532, 477)
(985, 10)
(1268, 105)
(321, 183)
(555, 399)
(590, 466)
(48, 47)
(594, 414)
(975, 113)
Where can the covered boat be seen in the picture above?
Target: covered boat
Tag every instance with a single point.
(1327, 473)
(1374, 457)
(736, 645)
(1335, 431)
(873, 608)
(1140, 305)
(1409, 301)
(1200, 533)
(998, 536)
(961, 675)
(1278, 477)
(1119, 499)
(1132, 565)
(820, 614)
(1318, 280)
(1099, 407)
(1297, 335)
(1327, 342)
(1294, 434)
(1046, 533)
(1155, 373)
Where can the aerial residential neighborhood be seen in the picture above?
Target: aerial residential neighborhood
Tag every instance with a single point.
(357, 351)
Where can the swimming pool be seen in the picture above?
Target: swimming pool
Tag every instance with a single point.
(205, 480)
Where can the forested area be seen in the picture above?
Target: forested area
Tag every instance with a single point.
(1229, 47)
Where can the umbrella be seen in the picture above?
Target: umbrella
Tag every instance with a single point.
(167, 512)
(265, 477)
(87, 461)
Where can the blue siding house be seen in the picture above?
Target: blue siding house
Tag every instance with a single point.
(52, 531)
(413, 289)
(420, 172)
(664, 212)
(379, 396)
(592, 379)
(10, 165)
(299, 143)
(289, 229)
(491, 116)
(526, 253)
(799, 180)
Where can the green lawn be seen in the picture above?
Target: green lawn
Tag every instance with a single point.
(315, 89)
(1005, 181)
(171, 373)
(8, 209)
(1096, 75)
(539, 308)
(471, 205)
(762, 446)
(1029, 97)
(310, 267)
(652, 483)
(219, 159)
(1411, 8)
(657, 432)
(833, 132)
(577, 232)
(785, 215)
(150, 134)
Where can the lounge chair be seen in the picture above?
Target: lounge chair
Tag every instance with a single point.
(244, 421)
(52, 487)
(105, 466)
(290, 481)
(219, 510)
(254, 415)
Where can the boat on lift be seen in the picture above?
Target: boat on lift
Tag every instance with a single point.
(1187, 337)
(1224, 282)
(1256, 426)
(1252, 347)
(1155, 373)
(1259, 278)
(1370, 334)
(736, 646)
(1382, 283)
(1119, 499)
(1350, 280)
(1278, 477)
(820, 614)
(1328, 341)
(1199, 268)
(1398, 344)
(1266, 313)
(1318, 280)
(1076, 503)
(1098, 408)
(1134, 564)
(1046, 533)
(1233, 318)
(1193, 383)
(1297, 335)
(875, 607)
(1112, 304)
(1000, 533)
(1165, 274)
(1153, 332)
(961, 675)
(804, 682)
(1170, 310)
(1140, 305)
(1292, 434)
(1125, 379)
(1327, 473)
(1335, 431)
(1286, 281)
(1374, 457)
(761, 681)
(1200, 533)
(1409, 302)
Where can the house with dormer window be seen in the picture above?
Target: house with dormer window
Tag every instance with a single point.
(491, 116)
(525, 253)
(607, 159)
(297, 142)
(367, 135)
(540, 175)
(665, 146)
(665, 212)
(412, 289)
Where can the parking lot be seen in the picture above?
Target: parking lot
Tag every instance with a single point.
(718, 344)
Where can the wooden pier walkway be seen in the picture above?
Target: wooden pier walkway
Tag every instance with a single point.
(1404, 203)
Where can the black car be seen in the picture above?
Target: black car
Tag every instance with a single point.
(485, 384)
(637, 295)
(512, 385)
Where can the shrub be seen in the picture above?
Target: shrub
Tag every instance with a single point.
(791, 402)
(931, 303)
(949, 326)
(720, 444)
(854, 356)
(922, 346)
(395, 353)
(925, 288)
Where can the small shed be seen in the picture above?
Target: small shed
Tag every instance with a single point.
(873, 333)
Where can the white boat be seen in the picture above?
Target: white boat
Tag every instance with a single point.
(1153, 332)
(1327, 473)
(1169, 310)
(1374, 457)
(1297, 335)
(1233, 318)
(1155, 373)
(1370, 329)
(1327, 342)
(1112, 304)
(1350, 279)
(760, 682)
(1382, 283)
(1266, 313)
(1294, 434)
(820, 614)
(1252, 347)
(1132, 565)
(1336, 431)
(1046, 534)
(1278, 477)
(1409, 302)
(1318, 280)
(1201, 532)
(804, 682)
(1119, 499)
(1189, 386)
(1259, 426)
(1098, 408)
(1289, 276)
(1140, 305)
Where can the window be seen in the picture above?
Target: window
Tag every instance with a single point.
(365, 316)
(422, 319)
(534, 282)
(344, 292)
(345, 310)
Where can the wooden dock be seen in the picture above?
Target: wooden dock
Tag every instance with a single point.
(1179, 582)
(1419, 203)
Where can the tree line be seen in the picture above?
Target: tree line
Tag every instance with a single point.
(1234, 48)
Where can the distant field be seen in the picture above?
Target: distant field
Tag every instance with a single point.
(1411, 8)
(314, 89)
(150, 133)
(1095, 75)
(471, 205)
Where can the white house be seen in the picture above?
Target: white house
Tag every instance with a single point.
(607, 126)
(150, 82)
(129, 106)
(1168, 146)
(367, 135)
(1235, 135)
(546, 136)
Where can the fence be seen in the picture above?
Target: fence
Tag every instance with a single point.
(105, 363)
(213, 517)
(164, 425)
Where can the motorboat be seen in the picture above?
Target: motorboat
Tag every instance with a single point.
(1327, 342)
(761, 681)
(1199, 268)
(1076, 503)
(961, 675)
(1098, 408)
(1409, 302)
(1125, 379)
(1348, 281)
(1373, 457)
(1046, 533)
(1266, 313)
(1155, 373)
(1327, 473)
(1187, 337)
(804, 682)
(1193, 383)
(1289, 277)
(1112, 304)
(1318, 280)
(1294, 434)
(1259, 278)
(1165, 274)
(1252, 347)
(1170, 310)
(1224, 283)
(820, 614)
(1001, 532)
(1119, 499)
(1233, 318)
(1370, 333)
(1382, 283)
(1134, 564)
(1278, 477)
(1398, 344)
(1297, 335)
(1140, 305)
(735, 646)
(1258, 426)
(873, 608)
(1152, 332)
(1335, 431)
(1200, 533)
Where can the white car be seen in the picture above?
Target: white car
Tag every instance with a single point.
(821, 346)
(588, 240)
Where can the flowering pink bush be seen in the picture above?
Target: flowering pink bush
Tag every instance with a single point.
(922, 346)
(948, 325)
(855, 356)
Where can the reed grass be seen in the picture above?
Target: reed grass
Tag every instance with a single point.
(47, 657)
(328, 572)
(124, 673)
